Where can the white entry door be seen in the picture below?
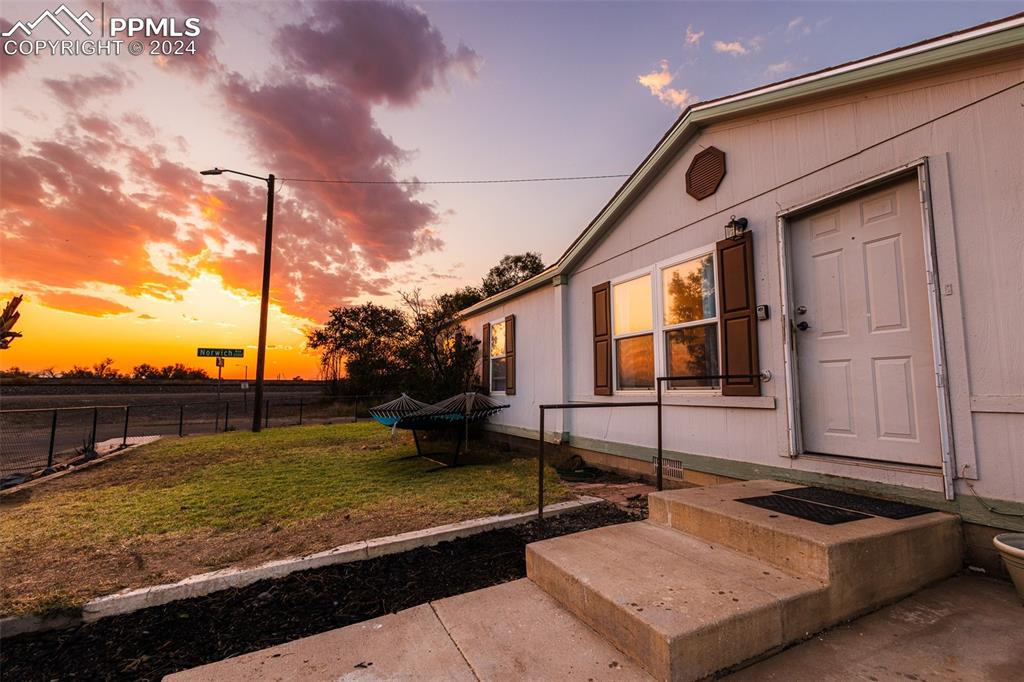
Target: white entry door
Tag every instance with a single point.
(862, 329)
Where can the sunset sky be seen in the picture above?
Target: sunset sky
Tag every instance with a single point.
(122, 249)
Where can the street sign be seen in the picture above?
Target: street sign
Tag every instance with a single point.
(220, 352)
(220, 362)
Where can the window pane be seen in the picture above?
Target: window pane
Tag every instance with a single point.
(693, 350)
(497, 339)
(689, 290)
(634, 359)
(499, 374)
(632, 304)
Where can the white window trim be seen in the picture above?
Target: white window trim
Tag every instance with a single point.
(490, 356)
(658, 329)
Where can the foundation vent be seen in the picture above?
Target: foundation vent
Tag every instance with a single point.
(670, 468)
(705, 173)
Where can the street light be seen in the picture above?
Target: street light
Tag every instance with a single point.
(261, 349)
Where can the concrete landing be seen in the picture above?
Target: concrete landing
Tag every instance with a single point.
(709, 582)
(508, 632)
(967, 628)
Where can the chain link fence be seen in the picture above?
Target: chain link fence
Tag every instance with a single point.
(35, 439)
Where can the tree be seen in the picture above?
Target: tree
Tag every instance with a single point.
(510, 271)
(443, 354)
(365, 344)
(78, 372)
(104, 369)
(8, 318)
(145, 371)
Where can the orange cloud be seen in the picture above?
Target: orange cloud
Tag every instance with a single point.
(82, 304)
(659, 83)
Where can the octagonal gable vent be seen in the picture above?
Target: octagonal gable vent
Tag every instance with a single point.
(705, 173)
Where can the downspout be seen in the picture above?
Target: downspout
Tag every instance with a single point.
(561, 292)
(938, 346)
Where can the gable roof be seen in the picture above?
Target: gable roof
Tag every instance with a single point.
(975, 41)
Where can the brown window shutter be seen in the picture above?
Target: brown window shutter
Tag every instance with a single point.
(738, 318)
(602, 294)
(510, 354)
(485, 356)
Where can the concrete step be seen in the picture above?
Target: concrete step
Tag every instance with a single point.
(516, 631)
(683, 608)
(915, 551)
(708, 582)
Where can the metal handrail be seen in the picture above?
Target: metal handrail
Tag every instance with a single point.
(658, 403)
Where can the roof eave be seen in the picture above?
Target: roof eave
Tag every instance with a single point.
(541, 279)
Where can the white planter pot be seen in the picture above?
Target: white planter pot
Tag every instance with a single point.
(1011, 546)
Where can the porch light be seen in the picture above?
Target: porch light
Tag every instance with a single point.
(735, 228)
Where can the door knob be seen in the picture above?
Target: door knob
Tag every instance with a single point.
(801, 310)
(802, 326)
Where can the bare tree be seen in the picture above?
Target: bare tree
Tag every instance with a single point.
(7, 320)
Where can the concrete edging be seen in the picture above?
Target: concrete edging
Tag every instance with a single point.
(202, 584)
(113, 452)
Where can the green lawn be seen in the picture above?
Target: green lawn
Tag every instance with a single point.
(184, 506)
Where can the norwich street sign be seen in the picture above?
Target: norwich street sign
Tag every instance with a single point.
(220, 352)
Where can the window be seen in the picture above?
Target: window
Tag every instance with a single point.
(633, 331)
(690, 321)
(681, 339)
(498, 359)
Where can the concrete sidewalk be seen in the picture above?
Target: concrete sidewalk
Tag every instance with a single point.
(965, 628)
(508, 632)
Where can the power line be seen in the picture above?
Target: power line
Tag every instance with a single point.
(504, 181)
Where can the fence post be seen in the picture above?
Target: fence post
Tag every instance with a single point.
(266, 414)
(181, 420)
(92, 437)
(226, 406)
(124, 436)
(300, 411)
(540, 470)
(53, 433)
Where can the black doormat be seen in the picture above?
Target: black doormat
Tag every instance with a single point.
(860, 503)
(819, 513)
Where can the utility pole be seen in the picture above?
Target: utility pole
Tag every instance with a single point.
(261, 349)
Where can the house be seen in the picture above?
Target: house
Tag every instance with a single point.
(869, 318)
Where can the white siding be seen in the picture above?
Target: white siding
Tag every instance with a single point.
(786, 158)
(538, 355)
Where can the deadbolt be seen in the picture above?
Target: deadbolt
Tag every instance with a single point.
(802, 326)
(801, 310)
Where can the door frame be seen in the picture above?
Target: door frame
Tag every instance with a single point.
(919, 169)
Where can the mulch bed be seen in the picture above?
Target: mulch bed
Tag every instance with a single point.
(148, 644)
